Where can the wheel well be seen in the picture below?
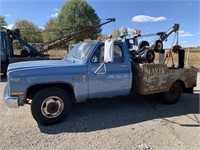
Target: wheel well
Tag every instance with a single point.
(182, 85)
(189, 90)
(35, 88)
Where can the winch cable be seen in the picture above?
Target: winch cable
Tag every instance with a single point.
(169, 54)
(175, 37)
(155, 39)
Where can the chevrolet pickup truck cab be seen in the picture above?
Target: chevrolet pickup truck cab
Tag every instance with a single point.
(92, 69)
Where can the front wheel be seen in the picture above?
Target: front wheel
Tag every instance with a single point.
(172, 96)
(50, 106)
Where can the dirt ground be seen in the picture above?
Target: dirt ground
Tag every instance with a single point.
(118, 123)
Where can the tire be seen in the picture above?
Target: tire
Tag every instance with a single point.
(51, 105)
(142, 45)
(133, 54)
(157, 46)
(172, 96)
(176, 48)
(24, 53)
(149, 55)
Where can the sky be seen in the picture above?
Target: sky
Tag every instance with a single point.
(150, 16)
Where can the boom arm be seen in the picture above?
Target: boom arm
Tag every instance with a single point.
(75, 34)
(16, 36)
(163, 35)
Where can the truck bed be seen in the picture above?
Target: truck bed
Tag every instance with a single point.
(156, 78)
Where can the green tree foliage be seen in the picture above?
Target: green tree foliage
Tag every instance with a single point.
(29, 31)
(76, 13)
(48, 34)
(2, 22)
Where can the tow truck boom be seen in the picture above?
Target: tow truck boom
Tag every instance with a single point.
(145, 51)
(163, 35)
(75, 34)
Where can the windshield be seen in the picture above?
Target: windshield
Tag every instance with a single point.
(81, 51)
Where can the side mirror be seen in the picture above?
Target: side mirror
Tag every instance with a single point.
(108, 54)
(109, 51)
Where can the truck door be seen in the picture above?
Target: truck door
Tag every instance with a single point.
(113, 78)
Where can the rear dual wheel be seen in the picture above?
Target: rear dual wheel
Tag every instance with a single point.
(172, 96)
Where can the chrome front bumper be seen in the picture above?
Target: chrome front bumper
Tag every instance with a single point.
(11, 101)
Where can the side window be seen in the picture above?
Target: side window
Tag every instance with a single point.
(98, 57)
(118, 54)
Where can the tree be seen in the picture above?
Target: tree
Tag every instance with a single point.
(48, 34)
(76, 13)
(29, 31)
(116, 34)
(2, 22)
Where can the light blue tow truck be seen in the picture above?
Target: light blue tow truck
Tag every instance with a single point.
(92, 69)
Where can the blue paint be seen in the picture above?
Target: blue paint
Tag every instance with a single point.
(112, 79)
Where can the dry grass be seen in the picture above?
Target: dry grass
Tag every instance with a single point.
(192, 56)
(57, 53)
(191, 59)
(52, 53)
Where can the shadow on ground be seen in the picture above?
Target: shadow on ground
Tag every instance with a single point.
(116, 112)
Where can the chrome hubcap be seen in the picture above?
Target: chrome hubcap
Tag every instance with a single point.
(52, 107)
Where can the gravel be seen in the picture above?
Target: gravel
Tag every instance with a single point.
(119, 123)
